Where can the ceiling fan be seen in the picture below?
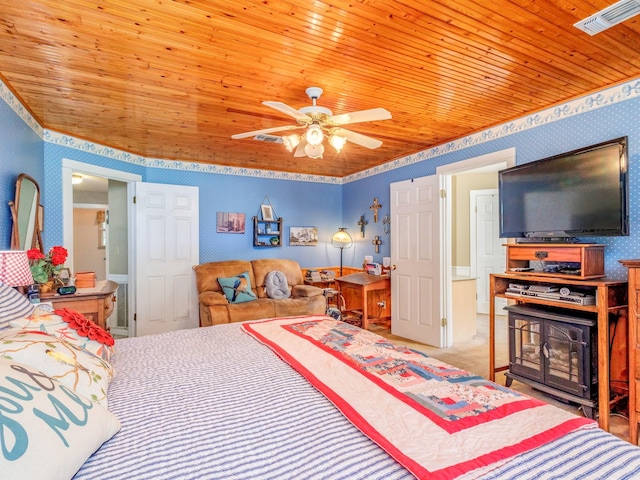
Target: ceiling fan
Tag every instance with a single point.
(320, 122)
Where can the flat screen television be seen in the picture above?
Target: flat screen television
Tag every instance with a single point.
(580, 193)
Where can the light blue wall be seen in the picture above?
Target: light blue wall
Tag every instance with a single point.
(21, 151)
(329, 205)
(560, 136)
(299, 203)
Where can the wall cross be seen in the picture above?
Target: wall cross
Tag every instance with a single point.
(375, 208)
(362, 223)
(376, 243)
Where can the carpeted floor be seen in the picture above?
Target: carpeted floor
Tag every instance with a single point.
(474, 357)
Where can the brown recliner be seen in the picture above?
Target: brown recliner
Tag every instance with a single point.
(216, 309)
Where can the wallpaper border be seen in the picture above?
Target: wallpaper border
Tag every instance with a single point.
(604, 98)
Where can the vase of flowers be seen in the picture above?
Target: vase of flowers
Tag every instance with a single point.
(45, 268)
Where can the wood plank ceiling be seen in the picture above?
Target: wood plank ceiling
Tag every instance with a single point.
(175, 79)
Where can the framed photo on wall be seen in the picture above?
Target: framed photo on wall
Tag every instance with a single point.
(267, 213)
(303, 236)
(229, 222)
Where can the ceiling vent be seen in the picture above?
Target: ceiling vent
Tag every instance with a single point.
(268, 138)
(610, 16)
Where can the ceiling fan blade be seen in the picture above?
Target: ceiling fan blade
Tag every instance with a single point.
(370, 115)
(300, 150)
(358, 138)
(264, 130)
(292, 112)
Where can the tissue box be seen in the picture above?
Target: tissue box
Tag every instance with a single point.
(85, 279)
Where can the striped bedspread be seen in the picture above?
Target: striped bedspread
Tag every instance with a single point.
(213, 403)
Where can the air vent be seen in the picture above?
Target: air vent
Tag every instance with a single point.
(610, 16)
(268, 138)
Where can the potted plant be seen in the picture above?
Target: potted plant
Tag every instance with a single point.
(45, 268)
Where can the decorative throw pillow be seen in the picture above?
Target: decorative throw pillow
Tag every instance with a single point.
(13, 305)
(48, 430)
(83, 372)
(74, 328)
(276, 285)
(237, 289)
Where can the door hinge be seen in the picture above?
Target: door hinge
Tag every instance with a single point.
(443, 321)
(134, 199)
(135, 317)
(443, 193)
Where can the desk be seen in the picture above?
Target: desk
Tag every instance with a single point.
(94, 303)
(362, 292)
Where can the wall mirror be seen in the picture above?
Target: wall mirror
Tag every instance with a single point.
(27, 215)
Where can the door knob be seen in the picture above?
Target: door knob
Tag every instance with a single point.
(393, 267)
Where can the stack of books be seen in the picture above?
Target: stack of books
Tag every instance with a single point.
(314, 276)
(327, 275)
(320, 275)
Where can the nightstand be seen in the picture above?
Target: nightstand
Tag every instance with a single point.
(96, 304)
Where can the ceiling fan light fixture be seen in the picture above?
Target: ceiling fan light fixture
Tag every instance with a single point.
(314, 134)
(337, 142)
(314, 151)
(291, 141)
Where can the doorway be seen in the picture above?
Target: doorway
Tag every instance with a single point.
(110, 190)
(458, 180)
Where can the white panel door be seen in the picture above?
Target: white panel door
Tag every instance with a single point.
(490, 252)
(166, 248)
(415, 251)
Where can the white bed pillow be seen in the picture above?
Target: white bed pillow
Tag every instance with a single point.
(71, 365)
(13, 305)
(48, 430)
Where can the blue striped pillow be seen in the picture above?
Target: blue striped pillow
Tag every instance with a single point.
(13, 305)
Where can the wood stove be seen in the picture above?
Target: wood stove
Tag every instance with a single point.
(555, 351)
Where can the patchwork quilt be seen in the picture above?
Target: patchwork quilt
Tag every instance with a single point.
(436, 420)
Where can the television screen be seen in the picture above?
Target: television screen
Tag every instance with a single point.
(579, 193)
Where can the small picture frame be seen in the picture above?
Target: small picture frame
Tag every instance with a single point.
(230, 222)
(303, 236)
(267, 213)
(64, 275)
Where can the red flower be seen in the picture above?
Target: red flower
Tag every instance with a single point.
(35, 254)
(44, 267)
(85, 327)
(58, 255)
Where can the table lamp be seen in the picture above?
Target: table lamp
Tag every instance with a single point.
(341, 239)
(15, 270)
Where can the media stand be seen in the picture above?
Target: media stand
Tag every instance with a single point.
(610, 307)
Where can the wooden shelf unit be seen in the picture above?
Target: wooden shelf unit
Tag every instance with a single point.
(611, 300)
(589, 256)
(262, 238)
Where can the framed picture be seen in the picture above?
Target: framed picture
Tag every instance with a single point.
(303, 236)
(267, 213)
(228, 222)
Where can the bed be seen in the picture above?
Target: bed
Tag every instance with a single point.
(228, 402)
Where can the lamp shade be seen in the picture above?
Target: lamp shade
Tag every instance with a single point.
(291, 141)
(342, 239)
(314, 134)
(314, 151)
(337, 142)
(14, 268)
